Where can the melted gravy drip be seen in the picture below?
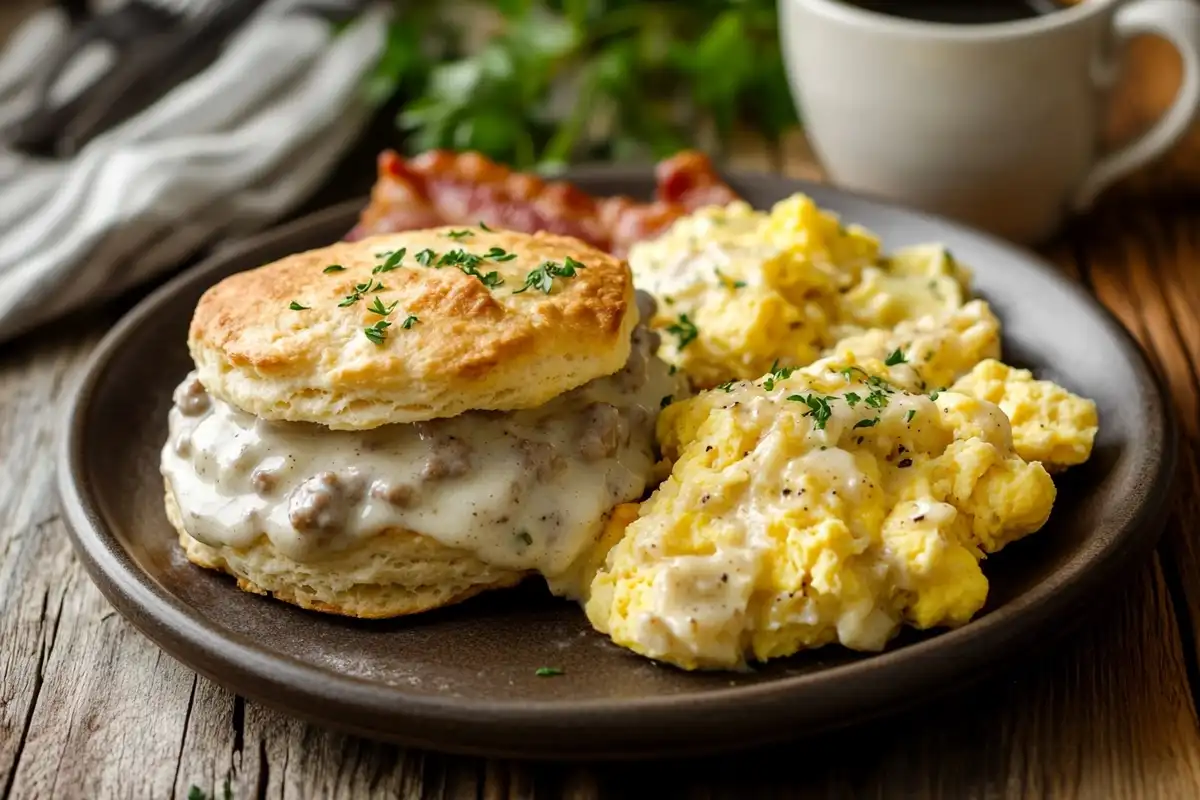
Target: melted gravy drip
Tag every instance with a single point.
(523, 490)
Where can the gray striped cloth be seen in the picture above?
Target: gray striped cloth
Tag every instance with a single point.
(220, 156)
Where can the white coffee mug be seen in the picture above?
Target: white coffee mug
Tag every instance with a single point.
(995, 124)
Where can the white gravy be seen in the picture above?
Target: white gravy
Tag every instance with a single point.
(524, 490)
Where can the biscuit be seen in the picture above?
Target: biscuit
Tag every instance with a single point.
(395, 573)
(290, 340)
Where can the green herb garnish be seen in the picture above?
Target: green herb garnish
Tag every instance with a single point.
(727, 386)
(524, 538)
(379, 308)
(818, 408)
(895, 357)
(877, 399)
(867, 423)
(377, 333)
(409, 321)
(852, 399)
(426, 257)
(848, 372)
(499, 254)
(542, 277)
(393, 259)
(666, 401)
(483, 226)
(685, 329)
(297, 307)
(912, 412)
(549, 672)
(459, 234)
(334, 268)
(777, 373)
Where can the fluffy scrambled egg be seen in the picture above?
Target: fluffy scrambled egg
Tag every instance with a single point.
(740, 290)
(831, 507)
(853, 491)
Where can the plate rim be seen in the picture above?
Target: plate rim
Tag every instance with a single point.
(265, 677)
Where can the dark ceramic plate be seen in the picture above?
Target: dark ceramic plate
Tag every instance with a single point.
(463, 679)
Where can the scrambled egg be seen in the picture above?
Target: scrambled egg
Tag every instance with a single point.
(854, 490)
(831, 507)
(740, 290)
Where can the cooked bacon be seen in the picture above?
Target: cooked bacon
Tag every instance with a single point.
(445, 188)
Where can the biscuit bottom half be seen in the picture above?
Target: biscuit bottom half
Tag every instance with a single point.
(394, 573)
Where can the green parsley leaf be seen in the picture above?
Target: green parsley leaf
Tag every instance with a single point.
(458, 234)
(426, 257)
(934, 394)
(297, 307)
(685, 329)
(671, 370)
(877, 399)
(196, 793)
(377, 333)
(852, 399)
(499, 254)
(727, 386)
(867, 423)
(409, 321)
(542, 277)
(483, 226)
(912, 412)
(549, 672)
(777, 373)
(379, 308)
(666, 401)
(818, 408)
(393, 259)
(895, 357)
(524, 538)
(334, 268)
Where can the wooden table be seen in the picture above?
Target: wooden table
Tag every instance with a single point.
(90, 708)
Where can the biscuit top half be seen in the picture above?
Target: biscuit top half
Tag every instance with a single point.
(414, 326)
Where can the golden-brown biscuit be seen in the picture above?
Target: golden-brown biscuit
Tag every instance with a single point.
(293, 340)
(396, 572)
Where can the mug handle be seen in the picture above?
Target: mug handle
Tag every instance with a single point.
(1177, 21)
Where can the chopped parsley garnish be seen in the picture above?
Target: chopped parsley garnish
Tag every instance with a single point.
(334, 268)
(426, 257)
(685, 329)
(524, 538)
(499, 254)
(666, 401)
(297, 307)
(912, 412)
(377, 333)
(728, 281)
(542, 277)
(895, 357)
(818, 408)
(392, 260)
(458, 234)
(879, 384)
(852, 399)
(379, 308)
(867, 423)
(671, 370)
(409, 321)
(727, 386)
(877, 399)
(483, 226)
(549, 672)
(669, 300)
(359, 290)
(777, 373)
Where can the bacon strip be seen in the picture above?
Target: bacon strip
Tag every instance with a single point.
(446, 188)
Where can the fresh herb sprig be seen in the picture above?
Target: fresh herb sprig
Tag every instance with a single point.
(542, 276)
(684, 329)
(565, 81)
